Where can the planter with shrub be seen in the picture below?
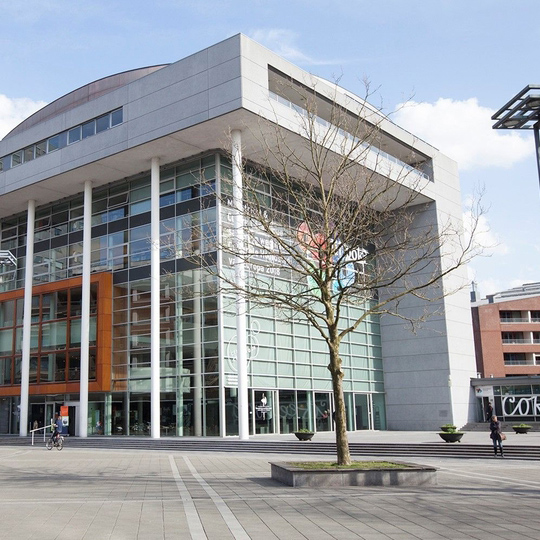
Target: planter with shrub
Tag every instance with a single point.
(451, 434)
(521, 428)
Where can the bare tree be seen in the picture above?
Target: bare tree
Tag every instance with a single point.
(329, 220)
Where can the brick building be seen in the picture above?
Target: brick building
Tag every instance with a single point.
(507, 342)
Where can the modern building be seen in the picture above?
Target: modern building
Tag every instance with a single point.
(507, 343)
(103, 197)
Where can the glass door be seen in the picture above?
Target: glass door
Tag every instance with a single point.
(323, 411)
(362, 411)
(287, 411)
(262, 405)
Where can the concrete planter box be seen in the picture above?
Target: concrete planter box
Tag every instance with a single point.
(410, 475)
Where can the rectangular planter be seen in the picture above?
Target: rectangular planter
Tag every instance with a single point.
(410, 475)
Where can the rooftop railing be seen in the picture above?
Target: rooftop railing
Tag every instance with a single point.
(377, 151)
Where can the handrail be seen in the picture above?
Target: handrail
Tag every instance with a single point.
(32, 431)
(300, 110)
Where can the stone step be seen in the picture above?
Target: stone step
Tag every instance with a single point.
(505, 426)
(395, 450)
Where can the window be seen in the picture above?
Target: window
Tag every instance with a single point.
(167, 199)
(185, 194)
(88, 129)
(511, 316)
(55, 336)
(513, 337)
(28, 154)
(516, 359)
(117, 117)
(41, 148)
(140, 245)
(102, 123)
(16, 158)
(53, 143)
(70, 136)
(74, 135)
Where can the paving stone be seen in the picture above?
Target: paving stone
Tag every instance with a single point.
(82, 494)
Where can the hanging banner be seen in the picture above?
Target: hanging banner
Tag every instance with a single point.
(64, 413)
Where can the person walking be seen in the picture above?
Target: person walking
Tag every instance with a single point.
(495, 436)
(489, 412)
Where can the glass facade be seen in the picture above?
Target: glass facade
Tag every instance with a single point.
(517, 402)
(290, 385)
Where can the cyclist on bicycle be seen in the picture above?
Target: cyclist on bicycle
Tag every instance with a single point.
(57, 423)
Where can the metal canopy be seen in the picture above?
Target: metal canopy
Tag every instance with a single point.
(521, 112)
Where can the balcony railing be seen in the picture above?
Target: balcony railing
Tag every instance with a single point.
(377, 151)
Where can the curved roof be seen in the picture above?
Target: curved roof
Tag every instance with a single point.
(82, 95)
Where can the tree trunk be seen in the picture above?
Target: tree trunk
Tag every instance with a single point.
(340, 420)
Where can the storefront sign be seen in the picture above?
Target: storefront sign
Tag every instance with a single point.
(484, 392)
(520, 406)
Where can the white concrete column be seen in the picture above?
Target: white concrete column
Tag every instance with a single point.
(82, 427)
(197, 356)
(240, 276)
(27, 318)
(221, 333)
(155, 403)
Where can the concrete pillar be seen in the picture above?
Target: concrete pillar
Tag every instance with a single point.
(82, 427)
(240, 276)
(155, 402)
(27, 318)
(197, 356)
(222, 381)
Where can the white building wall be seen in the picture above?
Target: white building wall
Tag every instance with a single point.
(427, 374)
(187, 108)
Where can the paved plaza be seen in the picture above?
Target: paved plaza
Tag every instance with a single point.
(127, 494)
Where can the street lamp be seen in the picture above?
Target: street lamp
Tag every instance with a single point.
(522, 112)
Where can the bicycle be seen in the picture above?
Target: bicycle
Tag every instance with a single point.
(58, 443)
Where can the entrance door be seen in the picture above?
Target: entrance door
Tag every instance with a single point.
(263, 408)
(323, 411)
(73, 413)
(362, 411)
(287, 411)
(37, 415)
(51, 407)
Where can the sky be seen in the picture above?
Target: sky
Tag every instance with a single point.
(438, 68)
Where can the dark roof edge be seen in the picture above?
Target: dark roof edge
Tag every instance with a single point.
(81, 95)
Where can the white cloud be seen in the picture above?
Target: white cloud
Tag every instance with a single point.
(487, 241)
(476, 223)
(14, 110)
(283, 42)
(462, 130)
(487, 286)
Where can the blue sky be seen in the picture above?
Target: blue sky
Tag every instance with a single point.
(453, 61)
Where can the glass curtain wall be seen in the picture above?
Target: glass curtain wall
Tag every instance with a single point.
(286, 354)
(287, 358)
